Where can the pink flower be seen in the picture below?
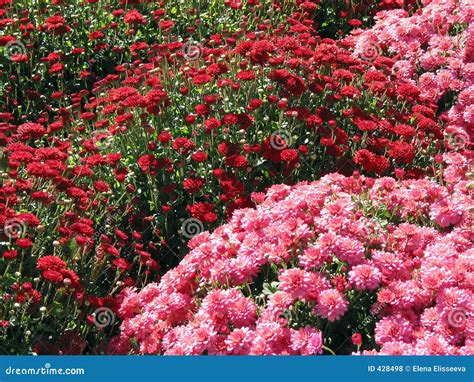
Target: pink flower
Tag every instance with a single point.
(239, 341)
(302, 285)
(396, 348)
(433, 345)
(446, 213)
(315, 256)
(293, 282)
(350, 250)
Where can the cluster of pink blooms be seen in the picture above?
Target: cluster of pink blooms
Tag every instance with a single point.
(322, 244)
(438, 42)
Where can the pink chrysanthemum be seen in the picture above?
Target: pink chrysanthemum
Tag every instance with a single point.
(331, 304)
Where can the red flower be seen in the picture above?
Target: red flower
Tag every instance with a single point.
(356, 339)
(202, 109)
(212, 124)
(355, 23)
(56, 25)
(120, 173)
(190, 119)
(145, 162)
(19, 58)
(216, 69)
(166, 24)
(293, 84)
(405, 131)
(314, 121)
(199, 156)
(28, 218)
(134, 17)
(402, 152)
(31, 130)
(230, 119)
(246, 75)
(202, 79)
(245, 121)
(327, 141)
(254, 104)
(76, 192)
(183, 145)
(72, 278)
(101, 186)
(289, 155)
(24, 243)
(408, 92)
(200, 210)
(109, 249)
(164, 137)
(155, 100)
(365, 124)
(122, 264)
(236, 161)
